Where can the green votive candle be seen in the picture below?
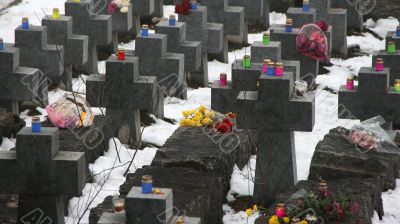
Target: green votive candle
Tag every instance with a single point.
(397, 85)
(391, 47)
(247, 61)
(266, 39)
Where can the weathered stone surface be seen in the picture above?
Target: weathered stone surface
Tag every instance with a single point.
(10, 125)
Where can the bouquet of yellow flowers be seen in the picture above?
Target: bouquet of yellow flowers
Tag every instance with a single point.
(198, 117)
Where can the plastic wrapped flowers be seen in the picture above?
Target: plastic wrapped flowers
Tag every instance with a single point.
(118, 4)
(312, 42)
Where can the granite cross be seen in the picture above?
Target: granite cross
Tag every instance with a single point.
(355, 14)
(97, 27)
(41, 175)
(123, 93)
(276, 114)
(372, 97)
(59, 32)
(255, 11)
(19, 83)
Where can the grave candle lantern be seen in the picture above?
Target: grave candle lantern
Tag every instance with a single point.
(193, 4)
(172, 20)
(289, 25)
(180, 220)
(350, 83)
(397, 85)
(145, 30)
(56, 13)
(306, 5)
(36, 125)
(121, 54)
(280, 210)
(223, 80)
(25, 23)
(147, 184)
(1, 44)
(266, 38)
(119, 205)
(265, 66)
(398, 31)
(323, 189)
(391, 47)
(247, 61)
(271, 68)
(379, 65)
(279, 69)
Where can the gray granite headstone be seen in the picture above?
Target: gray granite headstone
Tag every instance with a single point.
(33, 171)
(355, 17)
(255, 11)
(390, 61)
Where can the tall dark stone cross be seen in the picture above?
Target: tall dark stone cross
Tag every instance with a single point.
(123, 93)
(211, 37)
(97, 27)
(36, 53)
(276, 114)
(372, 97)
(19, 83)
(41, 175)
(59, 32)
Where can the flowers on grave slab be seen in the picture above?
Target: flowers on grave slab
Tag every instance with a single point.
(312, 42)
(185, 7)
(364, 139)
(122, 5)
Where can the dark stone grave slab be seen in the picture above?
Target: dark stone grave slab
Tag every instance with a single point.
(390, 61)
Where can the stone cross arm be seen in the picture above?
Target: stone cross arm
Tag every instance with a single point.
(252, 8)
(143, 7)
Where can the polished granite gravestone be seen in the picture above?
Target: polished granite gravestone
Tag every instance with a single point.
(211, 36)
(36, 53)
(355, 14)
(390, 61)
(59, 32)
(19, 83)
(123, 93)
(33, 172)
(276, 113)
(372, 97)
(97, 27)
(255, 11)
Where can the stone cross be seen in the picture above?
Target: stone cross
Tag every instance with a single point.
(372, 97)
(271, 111)
(177, 43)
(59, 32)
(211, 37)
(355, 18)
(390, 61)
(97, 27)
(336, 17)
(155, 60)
(41, 175)
(123, 93)
(255, 11)
(19, 83)
(36, 53)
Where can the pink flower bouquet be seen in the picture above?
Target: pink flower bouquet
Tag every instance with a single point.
(312, 42)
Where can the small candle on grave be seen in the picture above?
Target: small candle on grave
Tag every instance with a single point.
(145, 30)
(121, 54)
(119, 205)
(36, 125)
(279, 69)
(379, 65)
(391, 47)
(77, 1)
(265, 66)
(271, 68)
(397, 85)
(193, 4)
(56, 13)
(350, 83)
(289, 25)
(1, 44)
(172, 20)
(180, 220)
(25, 23)
(280, 211)
(323, 189)
(296, 221)
(223, 80)
(398, 31)
(306, 5)
(147, 184)
(247, 61)
(266, 38)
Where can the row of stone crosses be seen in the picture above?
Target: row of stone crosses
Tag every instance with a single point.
(162, 64)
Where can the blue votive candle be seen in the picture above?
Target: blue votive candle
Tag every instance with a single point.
(398, 31)
(25, 23)
(147, 184)
(289, 25)
(306, 5)
(1, 44)
(193, 4)
(145, 30)
(172, 20)
(36, 125)
(271, 68)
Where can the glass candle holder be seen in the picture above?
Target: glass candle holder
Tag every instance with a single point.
(301, 87)
(180, 220)
(271, 68)
(397, 85)
(323, 189)
(36, 125)
(121, 54)
(265, 66)
(247, 61)
(25, 23)
(147, 184)
(266, 38)
(379, 65)
(1, 44)
(223, 79)
(145, 30)
(279, 69)
(193, 4)
(306, 5)
(172, 20)
(391, 47)
(289, 25)
(119, 205)
(56, 13)
(350, 83)
(280, 211)
(398, 31)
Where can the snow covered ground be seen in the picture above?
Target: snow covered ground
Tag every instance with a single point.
(107, 182)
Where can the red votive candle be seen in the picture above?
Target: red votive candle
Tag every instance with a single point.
(121, 54)
(223, 80)
(379, 65)
(280, 211)
(279, 69)
(350, 83)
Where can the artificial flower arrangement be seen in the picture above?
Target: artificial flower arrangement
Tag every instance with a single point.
(312, 42)
(183, 8)
(122, 5)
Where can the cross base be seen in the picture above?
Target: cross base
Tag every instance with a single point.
(46, 209)
(90, 67)
(199, 77)
(125, 124)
